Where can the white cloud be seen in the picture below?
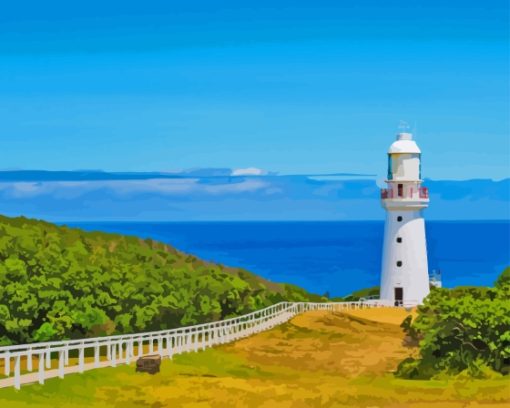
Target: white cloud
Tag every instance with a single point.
(74, 189)
(243, 187)
(250, 171)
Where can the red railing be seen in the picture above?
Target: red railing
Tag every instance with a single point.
(388, 193)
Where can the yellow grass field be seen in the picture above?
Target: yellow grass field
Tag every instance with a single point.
(318, 359)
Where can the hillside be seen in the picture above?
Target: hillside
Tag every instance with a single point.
(318, 359)
(58, 282)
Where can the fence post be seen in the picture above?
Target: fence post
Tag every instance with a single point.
(61, 361)
(140, 346)
(17, 381)
(29, 359)
(128, 351)
(177, 343)
(96, 355)
(81, 358)
(48, 358)
(7, 363)
(160, 345)
(113, 355)
(169, 346)
(41, 362)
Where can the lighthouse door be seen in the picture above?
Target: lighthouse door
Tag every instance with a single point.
(399, 296)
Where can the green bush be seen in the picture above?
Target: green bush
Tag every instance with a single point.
(359, 294)
(60, 283)
(466, 329)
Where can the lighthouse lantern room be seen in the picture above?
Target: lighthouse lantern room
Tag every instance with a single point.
(404, 277)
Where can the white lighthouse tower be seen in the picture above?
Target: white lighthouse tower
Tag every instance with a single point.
(404, 277)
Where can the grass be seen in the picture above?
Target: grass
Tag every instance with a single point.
(319, 359)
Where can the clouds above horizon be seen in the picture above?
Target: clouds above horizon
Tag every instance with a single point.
(127, 188)
(239, 198)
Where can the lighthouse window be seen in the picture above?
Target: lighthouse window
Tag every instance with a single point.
(399, 218)
(399, 263)
(399, 240)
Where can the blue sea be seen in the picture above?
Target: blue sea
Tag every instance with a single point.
(332, 257)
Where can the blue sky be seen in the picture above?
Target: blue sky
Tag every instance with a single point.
(288, 86)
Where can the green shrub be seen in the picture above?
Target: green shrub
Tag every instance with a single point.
(465, 329)
(362, 293)
(60, 283)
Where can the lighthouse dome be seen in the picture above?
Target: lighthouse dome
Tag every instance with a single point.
(404, 144)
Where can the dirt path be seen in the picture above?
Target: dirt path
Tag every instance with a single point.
(337, 343)
(318, 359)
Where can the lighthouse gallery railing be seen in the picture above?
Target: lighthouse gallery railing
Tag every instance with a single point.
(410, 193)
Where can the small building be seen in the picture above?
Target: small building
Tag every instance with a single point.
(404, 275)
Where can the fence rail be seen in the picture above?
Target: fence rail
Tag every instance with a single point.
(114, 350)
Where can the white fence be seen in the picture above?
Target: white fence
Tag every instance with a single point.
(53, 360)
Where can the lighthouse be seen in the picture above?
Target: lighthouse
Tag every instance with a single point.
(404, 275)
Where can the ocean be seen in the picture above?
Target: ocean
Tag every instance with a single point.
(329, 257)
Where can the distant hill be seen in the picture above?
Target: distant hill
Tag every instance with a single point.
(59, 282)
(226, 194)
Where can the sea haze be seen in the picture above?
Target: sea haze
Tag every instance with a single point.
(333, 257)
